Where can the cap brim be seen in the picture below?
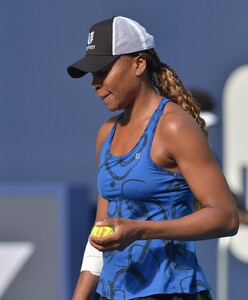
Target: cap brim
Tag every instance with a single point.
(91, 64)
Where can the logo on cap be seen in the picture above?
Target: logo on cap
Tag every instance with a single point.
(90, 40)
(91, 37)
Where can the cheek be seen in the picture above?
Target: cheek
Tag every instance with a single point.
(122, 81)
(118, 83)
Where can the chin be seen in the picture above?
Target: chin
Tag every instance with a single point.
(112, 109)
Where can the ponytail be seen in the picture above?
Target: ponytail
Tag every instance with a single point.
(169, 85)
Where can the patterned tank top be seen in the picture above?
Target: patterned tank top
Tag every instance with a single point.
(136, 188)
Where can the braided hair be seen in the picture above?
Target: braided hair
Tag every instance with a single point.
(169, 85)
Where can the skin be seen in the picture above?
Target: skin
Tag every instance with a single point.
(179, 146)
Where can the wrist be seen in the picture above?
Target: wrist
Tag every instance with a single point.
(144, 230)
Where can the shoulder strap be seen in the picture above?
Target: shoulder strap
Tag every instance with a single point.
(157, 115)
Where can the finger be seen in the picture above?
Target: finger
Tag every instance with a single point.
(103, 241)
(102, 248)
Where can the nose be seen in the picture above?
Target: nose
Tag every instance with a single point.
(96, 82)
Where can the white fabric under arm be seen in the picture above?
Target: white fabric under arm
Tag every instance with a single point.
(92, 260)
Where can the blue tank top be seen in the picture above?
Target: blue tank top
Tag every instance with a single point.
(136, 188)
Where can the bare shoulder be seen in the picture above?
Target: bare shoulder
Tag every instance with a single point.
(105, 128)
(178, 125)
(103, 132)
(178, 130)
(175, 119)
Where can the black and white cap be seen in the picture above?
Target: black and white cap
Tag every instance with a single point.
(107, 41)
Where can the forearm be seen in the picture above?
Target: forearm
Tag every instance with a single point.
(86, 286)
(203, 224)
(90, 271)
(206, 223)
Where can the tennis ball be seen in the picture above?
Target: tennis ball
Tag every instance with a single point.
(102, 231)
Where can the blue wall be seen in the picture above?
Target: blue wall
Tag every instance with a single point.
(48, 121)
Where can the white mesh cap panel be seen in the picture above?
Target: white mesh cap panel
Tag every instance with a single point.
(129, 36)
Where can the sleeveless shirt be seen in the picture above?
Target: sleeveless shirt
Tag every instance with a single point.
(136, 188)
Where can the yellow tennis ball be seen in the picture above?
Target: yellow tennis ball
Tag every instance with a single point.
(102, 231)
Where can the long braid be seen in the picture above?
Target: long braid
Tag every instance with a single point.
(167, 82)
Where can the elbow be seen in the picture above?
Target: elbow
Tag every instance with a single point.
(232, 225)
(233, 230)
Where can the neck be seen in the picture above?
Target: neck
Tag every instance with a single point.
(143, 107)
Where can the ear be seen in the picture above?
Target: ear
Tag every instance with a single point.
(140, 65)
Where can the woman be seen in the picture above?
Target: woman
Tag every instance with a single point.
(154, 161)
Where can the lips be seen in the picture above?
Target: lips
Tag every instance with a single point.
(104, 97)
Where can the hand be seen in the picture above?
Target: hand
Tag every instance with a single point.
(126, 232)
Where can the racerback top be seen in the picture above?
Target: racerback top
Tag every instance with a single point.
(136, 188)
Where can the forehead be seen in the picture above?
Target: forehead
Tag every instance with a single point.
(124, 59)
(122, 62)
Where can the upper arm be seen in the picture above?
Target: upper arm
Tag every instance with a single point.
(190, 149)
(102, 204)
(102, 209)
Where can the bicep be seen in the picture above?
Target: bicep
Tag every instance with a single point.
(204, 177)
(191, 151)
(102, 204)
